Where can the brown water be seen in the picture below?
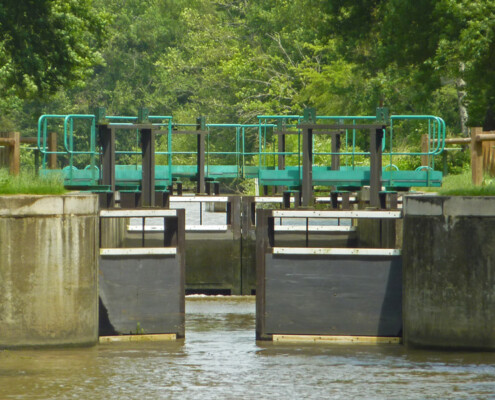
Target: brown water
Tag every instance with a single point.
(221, 360)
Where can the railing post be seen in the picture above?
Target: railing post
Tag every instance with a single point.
(335, 150)
(15, 155)
(52, 147)
(425, 148)
(476, 157)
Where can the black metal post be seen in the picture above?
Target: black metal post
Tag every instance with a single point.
(107, 141)
(376, 136)
(148, 168)
(335, 149)
(201, 126)
(307, 183)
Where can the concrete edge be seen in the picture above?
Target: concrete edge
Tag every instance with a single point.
(449, 206)
(48, 205)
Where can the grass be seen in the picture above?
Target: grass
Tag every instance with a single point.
(461, 185)
(29, 184)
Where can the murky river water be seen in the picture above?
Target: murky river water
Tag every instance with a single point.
(221, 359)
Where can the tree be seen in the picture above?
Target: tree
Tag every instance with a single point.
(48, 44)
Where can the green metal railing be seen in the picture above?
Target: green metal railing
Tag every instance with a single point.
(252, 145)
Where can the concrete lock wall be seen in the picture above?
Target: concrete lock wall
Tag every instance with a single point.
(449, 272)
(48, 270)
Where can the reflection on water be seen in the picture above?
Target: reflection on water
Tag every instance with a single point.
(220, 359)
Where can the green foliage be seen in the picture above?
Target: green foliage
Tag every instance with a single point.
(139, 329)
(461, 185)
(29, 184)
(48, 44)
(233, 60)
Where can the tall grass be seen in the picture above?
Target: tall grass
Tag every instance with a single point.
(29, 184)
(461, 185)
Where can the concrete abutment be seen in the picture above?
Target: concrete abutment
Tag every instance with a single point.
(48, 270)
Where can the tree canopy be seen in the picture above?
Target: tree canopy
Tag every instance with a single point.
(47, 45)
(234, 59)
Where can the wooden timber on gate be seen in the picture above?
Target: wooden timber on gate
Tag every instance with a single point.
(482, 148)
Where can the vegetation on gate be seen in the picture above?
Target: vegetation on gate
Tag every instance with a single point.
(29, 184)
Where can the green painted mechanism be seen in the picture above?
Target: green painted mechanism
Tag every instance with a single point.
(235, 150)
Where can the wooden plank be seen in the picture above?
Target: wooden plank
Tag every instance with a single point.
(309, 251)
(139, 251)
(336, 214)
(137, 213)
(339, 339)
(189, 228)
(199, 199)
(314, 228)
(138, 338)
(270, 199)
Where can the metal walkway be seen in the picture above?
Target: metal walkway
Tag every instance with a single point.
(106, 153)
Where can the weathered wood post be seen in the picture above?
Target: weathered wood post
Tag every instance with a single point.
(13, 143)
(476, 157)
(15, 154)
(52, 148)
(425, 148)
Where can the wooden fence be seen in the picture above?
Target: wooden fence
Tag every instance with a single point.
(482, 147)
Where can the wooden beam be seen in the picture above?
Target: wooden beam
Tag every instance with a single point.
(29, 140)
(138, 338)
(454, 140)
(15, 153)
(52, 147)
(338, 339)
(485, 137)
(7, 141)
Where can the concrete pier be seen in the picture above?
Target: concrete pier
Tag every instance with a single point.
(449, 272)
(48, 270)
